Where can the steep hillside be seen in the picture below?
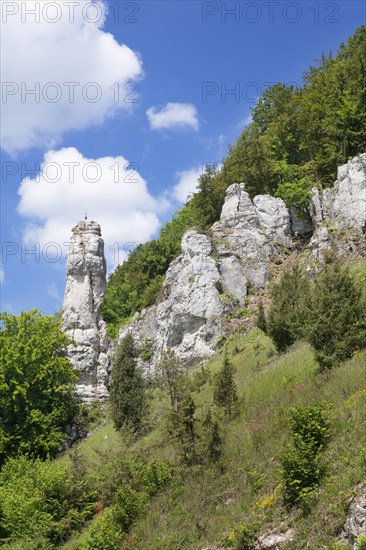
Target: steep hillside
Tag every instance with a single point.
(205, 504)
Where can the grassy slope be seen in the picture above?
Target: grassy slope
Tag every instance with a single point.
(205, 502)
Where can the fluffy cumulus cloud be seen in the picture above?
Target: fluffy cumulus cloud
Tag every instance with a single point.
(173, 115)
(109, 189)
(187, 184)
(60, 71)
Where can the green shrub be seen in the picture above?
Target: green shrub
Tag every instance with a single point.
(241, 537)
(146, 352)
(361, 542)
(41, 501)
(302, 465)
(36, 385)
(156, 476)
(261, 318)
(104, 533)
(225, 391)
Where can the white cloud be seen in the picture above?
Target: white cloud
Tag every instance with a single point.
(187, 184)
(2, 275)
(72, 61)
(118, 199)
(173, 115)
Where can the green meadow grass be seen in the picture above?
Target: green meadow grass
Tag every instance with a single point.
(205, 502)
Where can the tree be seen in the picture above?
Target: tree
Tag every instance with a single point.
(286, 317)
(36, 385)
(215, 444)
(181, 425)
(127, 395)
(337, 318)
(171, 371)
(261, 318)
(225, 393)
(206, 202)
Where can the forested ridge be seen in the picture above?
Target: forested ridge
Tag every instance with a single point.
(297, 138)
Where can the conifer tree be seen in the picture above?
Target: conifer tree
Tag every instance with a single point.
(261, 318)
(171, 371)
(127, 395)
(337, 318)
(215, 444)
(286, 317)
(181, 425)
(225, 392)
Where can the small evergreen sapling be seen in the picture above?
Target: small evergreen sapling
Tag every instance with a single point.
(225, 392)
(261, 318)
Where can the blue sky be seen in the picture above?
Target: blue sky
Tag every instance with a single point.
(135, 157)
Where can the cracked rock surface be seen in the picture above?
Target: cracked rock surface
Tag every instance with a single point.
(81, 316)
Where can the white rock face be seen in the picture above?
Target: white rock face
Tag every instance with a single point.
(345, 203)
(252, 229)
(342, 207)
(189, 319)
(236, 257)
(275, 541)
(208, 272)
(274, 218)
(82, 321)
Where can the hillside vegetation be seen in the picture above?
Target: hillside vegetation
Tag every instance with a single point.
(253, 441)
(208, 503)
(268, 436)
(297, 138)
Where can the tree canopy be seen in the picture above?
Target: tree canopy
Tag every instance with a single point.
(36, 385)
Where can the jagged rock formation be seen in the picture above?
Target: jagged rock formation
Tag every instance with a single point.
(212, 274)
(84, 294)
(340, 208)
(217, 270)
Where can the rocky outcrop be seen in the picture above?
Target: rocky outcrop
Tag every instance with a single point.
(82, 321)
(211, 275)
(253, 230)
(189, 317)
(355, 525)
(217, 270)
(340, 208)
(275, 541)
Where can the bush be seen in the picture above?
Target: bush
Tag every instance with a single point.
(302, 466)
(241, 537)
(104, 533)
(261, 318)
(41, 501)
